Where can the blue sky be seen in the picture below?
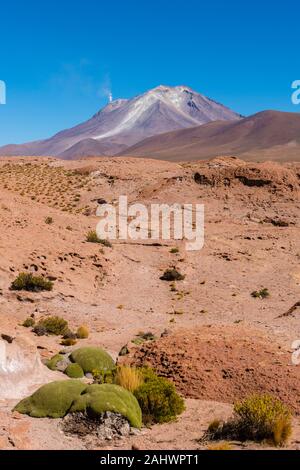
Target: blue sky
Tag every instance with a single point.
(59, 58)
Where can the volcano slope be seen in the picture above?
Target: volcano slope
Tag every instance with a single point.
(251, 243)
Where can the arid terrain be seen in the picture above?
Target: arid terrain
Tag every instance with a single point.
(268, 135)
(214, 340)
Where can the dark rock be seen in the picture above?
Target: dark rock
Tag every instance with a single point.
(172, 275)
(107, 426)
(124, 351)
(250, 182)
(7, 338)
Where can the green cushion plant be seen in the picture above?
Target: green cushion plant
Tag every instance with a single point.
(91, 358)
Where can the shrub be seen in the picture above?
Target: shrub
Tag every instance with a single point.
(257, 418)
(52, 325)
(141, 337)
(92, 237)
(214, 425)
(261, 294)
(263, 417)
(158, 399)
(74, 371)
(220, 446)
(92, 358)
(52, 400)
(49, 220)
(174, 250)
(29, 282)
(104, 376)
(52, 363)
(129, 378)
(69, 334)
(105, 242)
(97, 399)
(40, 330)
(172, 275)
(82, 332)
(28, 322)
(68, 342)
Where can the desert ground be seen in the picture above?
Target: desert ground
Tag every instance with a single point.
(214, 340)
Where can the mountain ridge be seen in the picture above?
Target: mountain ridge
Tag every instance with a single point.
(124, 122)
(264, 135)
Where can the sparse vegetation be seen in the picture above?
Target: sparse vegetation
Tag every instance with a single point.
(60, 187)
(31, 283)
(261, 294)
(172, 275)
(141, 337)
(158, 399)
(29, 322)
(49, 220)
(92, 358)
(40, 330)
(129, 378)
(68, 334)
(257, 418)
(74, 371)
(104, 376)
(174, 250)
(92, 237)
(52, 363)
(214, 425)
(82, 332)
(223, 446)
(52, 326)
(68, 342)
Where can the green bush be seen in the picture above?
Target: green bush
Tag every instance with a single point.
(52, 325)
(52, 363)
(97, 399)
(263, 417)
(29, 282)
(261, 294)
(74, 371)
(68, 342)
(104, 376)
(92, 358)
(82, 332)
(68, 334)
(257, 418)
(92, 237)
(29, 322)
(40, 330)
(52, 400)
(158, 399)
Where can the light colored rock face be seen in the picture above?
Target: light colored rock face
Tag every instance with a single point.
(21, 369)
(123, 123)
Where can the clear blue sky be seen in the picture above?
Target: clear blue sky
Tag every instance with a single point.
(59, 58)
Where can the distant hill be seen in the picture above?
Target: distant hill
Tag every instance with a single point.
(271, 135)
(123, 123)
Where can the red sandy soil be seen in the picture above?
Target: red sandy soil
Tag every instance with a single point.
(118, 293)
(222, 364)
